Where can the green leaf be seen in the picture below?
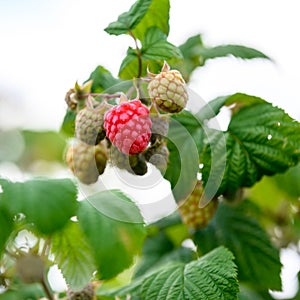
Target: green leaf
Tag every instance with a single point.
(129, 20)
(195, 54)
(130, 65)
(6, 225)
(235, 102)
(156, 47)
(159, 250)
(73, 255)
(234, 50)
(261, 140)
(212, 276)
(68, 125)
(113, 226)
(185, 138)
(24, 292)
(157, 15)
(257, 259)
(42, 145)
(192, 58)
(289, 181)
(102, 80)
(47, 203)
(250, 294)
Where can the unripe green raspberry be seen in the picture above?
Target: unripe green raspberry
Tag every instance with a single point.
(134, 164)
(87, 162)
(30, 268)
(158, 156)
(89, 125)
(87, 293)
(160, 127)
(194, 216)
(168, 90)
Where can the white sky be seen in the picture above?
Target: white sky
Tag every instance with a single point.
(47, 45)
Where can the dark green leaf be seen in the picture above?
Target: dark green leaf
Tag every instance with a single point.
(129, 20)
(185, 143)
(73, 256)
(159, 250)
(257, 260)
(112, 225)
(157, 15)
(102, 80)
(6, 225)
(156, 47)
(68, 125)
(47, 203)
(261, 140)
(212, 276)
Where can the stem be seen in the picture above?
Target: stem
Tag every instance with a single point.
(47, 289)
(139, 55)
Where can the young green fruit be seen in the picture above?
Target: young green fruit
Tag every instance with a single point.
(168, 90)
(87, 162)
(194, 216)
(89, 125)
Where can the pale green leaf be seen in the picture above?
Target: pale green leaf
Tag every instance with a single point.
(47, 203)
(129, 20)
(157, 15)
(114, 229)
(257, 259)
(73, 255)
(211, 277)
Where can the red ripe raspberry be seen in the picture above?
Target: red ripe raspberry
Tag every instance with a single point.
(128, 126)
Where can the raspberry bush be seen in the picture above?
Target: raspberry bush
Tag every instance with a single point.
(235, 191)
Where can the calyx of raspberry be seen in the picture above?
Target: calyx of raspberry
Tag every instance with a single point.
(168, 90)
(128, 126)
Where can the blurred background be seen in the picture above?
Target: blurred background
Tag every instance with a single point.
(48, 45)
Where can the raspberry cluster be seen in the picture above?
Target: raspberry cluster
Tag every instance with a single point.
(129, 134)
